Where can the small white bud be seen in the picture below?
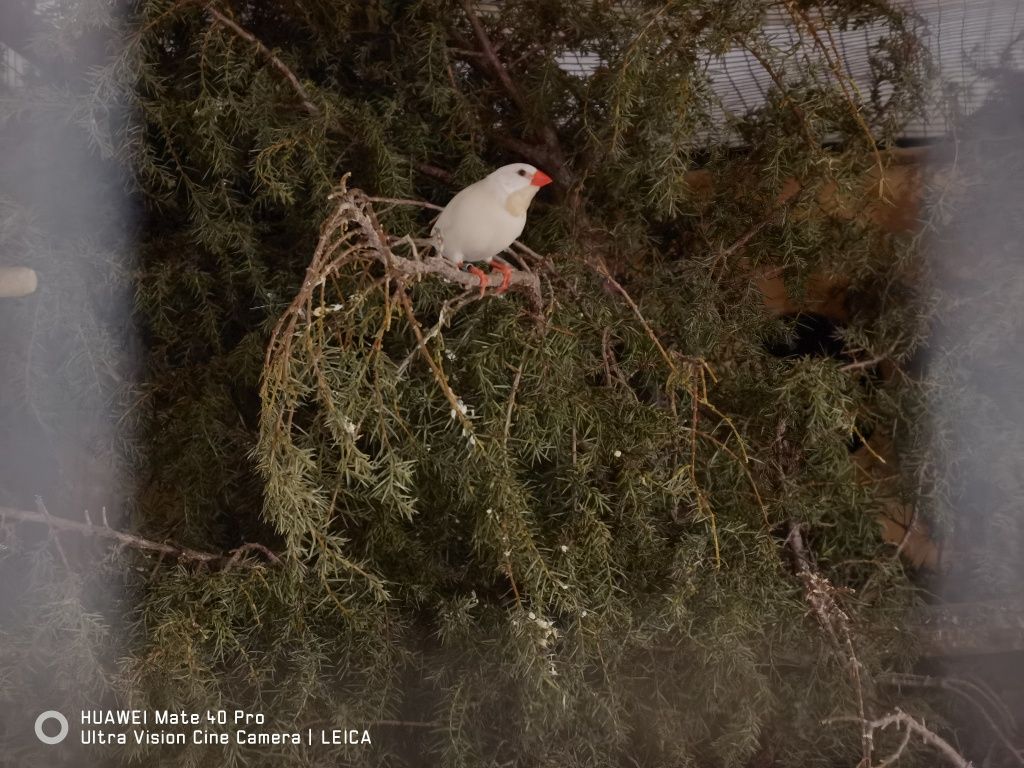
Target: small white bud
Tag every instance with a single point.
(531, 615)
(618, 454)
(564, 548)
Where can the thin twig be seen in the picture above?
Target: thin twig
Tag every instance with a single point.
(512, 397)
(458, 409)
(427, 169)
(821, 596)
(602, 270)
(898, 752)
(907, 531)
(269, 55)
(844, 80)
(405, 201)
(860, 365)
(551, 153)
(449, 308)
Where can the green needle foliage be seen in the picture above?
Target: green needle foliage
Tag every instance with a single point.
(532, 530)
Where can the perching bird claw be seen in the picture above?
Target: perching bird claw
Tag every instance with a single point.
(484, 278)
(506, 274)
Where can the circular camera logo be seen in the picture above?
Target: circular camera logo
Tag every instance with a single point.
(51, 714)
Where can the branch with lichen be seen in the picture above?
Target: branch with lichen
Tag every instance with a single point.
(352, 233)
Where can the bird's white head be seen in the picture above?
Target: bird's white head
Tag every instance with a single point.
(516, 185)
(518, 176)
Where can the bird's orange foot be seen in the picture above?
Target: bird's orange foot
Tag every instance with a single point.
(506, 274)
(482, 276)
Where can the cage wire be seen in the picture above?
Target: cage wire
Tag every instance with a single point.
(969, 41)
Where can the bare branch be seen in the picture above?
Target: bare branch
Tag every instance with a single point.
(912, 725)
(975, 697)
(138, 542)
(406, 201)
(434, 172)
(860, 365)
(437, 265)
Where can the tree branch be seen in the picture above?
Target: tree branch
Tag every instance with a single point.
(977, 698)
(134, 541)
(427, 169)
(821, 596)
(549, 154)
(269, 55)
(912, 725)
(491, 57)
(434, 172)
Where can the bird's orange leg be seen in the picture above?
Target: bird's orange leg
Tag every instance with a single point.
(482, 276)
(506, 274)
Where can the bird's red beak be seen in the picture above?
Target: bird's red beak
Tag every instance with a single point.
(540, 179)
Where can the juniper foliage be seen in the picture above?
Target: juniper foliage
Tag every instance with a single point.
(511, 532)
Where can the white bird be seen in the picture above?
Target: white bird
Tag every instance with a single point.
(486, 217)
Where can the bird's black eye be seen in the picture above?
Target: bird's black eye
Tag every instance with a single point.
(521, 172)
